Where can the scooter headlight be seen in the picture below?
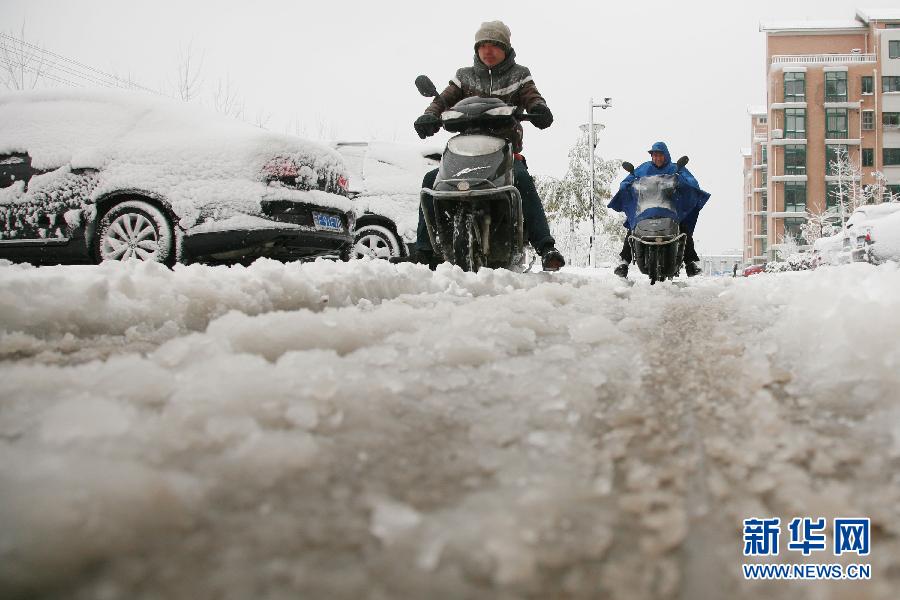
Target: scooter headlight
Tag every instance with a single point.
(475, 145)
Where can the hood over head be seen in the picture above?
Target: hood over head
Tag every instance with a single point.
(661, 147)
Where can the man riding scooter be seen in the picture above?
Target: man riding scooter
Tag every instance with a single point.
(494, 74)
(660, 163)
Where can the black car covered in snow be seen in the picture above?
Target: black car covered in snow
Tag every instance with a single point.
(87, 176)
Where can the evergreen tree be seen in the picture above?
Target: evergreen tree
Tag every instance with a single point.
(567, 201)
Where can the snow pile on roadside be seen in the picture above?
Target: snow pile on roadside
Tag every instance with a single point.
(139, 305)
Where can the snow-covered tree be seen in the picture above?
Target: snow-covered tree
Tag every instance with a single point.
(818, 225)
(567, 201)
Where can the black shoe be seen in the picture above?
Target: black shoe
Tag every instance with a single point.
(691, 268)
(551, 259)
(621, 270)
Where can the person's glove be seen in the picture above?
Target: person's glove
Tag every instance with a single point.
(541, 118)
(427, 125)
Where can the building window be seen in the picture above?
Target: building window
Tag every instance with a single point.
(836, 86)
(795, 123)
(868, 120)
(795, 159)
(763, 120)
(868, 157)
(765, 201)
(764, 154)
(894, 49)
(795, 87)
(891, 157)
(832, 196)
(894, 190)
(890, 83)
(832, 153)
(794, 196)
(868, 85)
(763, 226)
(792, 227)
(890, 119)
(836, 123)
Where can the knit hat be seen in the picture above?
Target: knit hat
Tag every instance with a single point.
(495, 32)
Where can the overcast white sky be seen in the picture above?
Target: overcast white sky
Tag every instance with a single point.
(681, 72)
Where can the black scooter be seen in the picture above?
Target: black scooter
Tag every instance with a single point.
(477, 220)
(657, 244)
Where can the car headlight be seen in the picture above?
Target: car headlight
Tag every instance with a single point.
(475, 145)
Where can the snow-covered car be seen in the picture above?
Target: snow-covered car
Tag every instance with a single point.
(875, 232)
(386, 178)
(87, 176)
(872, 234)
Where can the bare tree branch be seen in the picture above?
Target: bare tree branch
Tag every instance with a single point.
(190, 73)
(22, 64)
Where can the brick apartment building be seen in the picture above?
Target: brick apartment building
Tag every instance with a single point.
(830, 86)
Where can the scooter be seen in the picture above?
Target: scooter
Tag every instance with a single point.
(657, 244)
(477, 219)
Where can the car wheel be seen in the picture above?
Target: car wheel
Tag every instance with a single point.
(134, 230)
(375, 241)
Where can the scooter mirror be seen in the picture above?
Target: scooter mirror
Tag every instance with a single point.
(628, 166)
(682, 162)
(425, 86)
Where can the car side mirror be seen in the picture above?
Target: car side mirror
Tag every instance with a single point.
(628, 167)
(425, 86)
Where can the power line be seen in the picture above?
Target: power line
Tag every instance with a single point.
(70, 67)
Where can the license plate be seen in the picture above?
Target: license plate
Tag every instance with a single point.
(327, 222)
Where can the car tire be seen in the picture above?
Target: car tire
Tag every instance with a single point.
(375, 241)
(134, 229)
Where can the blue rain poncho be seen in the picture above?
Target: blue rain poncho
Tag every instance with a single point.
(688, 198)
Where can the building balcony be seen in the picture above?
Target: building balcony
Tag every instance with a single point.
(783, 105)
(787, 141)
(777, 178)
(845, 141)
(843, 104)
(822, 59)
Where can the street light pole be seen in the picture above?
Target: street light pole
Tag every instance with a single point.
(592, 141)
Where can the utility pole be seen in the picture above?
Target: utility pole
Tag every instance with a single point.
(592, 132)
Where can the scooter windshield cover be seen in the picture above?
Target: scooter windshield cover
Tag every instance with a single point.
(656, 191)
(475, 145)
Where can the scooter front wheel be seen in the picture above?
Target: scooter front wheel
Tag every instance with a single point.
(466, 250)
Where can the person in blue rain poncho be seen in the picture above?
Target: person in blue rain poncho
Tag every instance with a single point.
(689, 199)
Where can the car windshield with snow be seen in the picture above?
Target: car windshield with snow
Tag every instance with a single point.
(88, 176)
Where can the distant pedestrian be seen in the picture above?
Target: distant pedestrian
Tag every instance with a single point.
(734, 271)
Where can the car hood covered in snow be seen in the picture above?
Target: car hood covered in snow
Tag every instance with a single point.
(204, 165)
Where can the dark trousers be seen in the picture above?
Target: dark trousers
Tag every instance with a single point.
(690, 254)
(537, 231)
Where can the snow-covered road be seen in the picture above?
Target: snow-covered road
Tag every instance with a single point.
(367, 430)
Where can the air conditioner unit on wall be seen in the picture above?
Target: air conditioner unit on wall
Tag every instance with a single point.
(856, 51)
(777, 134)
